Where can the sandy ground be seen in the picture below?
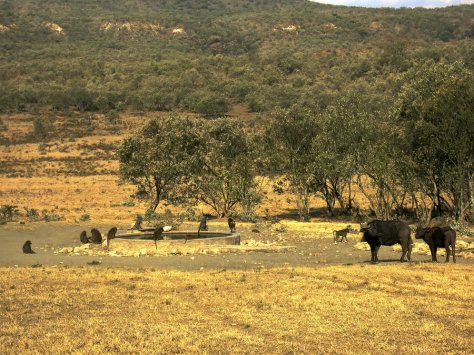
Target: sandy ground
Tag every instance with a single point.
(310, 251)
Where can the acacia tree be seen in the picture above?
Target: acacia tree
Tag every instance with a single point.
(435, 107)
(345, 126)
(227, 174)
(162, 156)
(289, 141)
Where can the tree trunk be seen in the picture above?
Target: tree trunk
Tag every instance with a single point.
(158, 192)
(366, 194)
(328, 198)
(471, 197)
(302, 202)
(349, 204)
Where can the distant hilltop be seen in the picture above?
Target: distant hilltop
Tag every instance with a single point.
(398, 3)
(210, 57)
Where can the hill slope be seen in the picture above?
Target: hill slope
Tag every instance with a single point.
(209, 55)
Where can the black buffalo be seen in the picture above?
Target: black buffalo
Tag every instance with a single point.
(435, 237)
(377, 233)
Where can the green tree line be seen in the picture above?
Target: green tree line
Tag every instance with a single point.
(411, 155)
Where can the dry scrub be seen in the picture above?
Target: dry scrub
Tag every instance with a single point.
(415, 308)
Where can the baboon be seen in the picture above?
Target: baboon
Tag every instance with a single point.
(158, 235)
(84, 238)
(341, 233)
(96, 237)
(27, 248)
(202, 225)
(111, 235)
(231, 223)
(138, 222)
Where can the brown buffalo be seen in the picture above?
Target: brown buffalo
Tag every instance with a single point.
(377, 233)
(441, 237)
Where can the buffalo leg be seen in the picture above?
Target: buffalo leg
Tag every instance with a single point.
(435, 249)
(453, 245)
(433, 252)
(448, 252)
(404, 252)
(376, 251)
(372, 253)
(409, 247)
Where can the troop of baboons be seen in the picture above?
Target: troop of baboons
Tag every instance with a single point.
(376, 233)
(95, 238)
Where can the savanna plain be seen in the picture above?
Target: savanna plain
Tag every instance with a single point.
(415, 308)
(370, 89)
(287, 307)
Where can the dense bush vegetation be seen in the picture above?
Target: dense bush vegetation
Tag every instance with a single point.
(265, 54)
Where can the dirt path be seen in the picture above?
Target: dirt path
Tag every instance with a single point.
(313, 252)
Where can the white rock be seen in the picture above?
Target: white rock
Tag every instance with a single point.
(362, 246)
(397, 248)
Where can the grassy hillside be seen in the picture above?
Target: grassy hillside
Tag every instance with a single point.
(207, 56)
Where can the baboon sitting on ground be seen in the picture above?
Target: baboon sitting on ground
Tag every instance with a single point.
(96, 237)
(111, 235)
(84, 238)
(27, 248)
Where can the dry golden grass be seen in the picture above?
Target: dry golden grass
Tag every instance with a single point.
(345, 309)
(75, 176)
(72, 196)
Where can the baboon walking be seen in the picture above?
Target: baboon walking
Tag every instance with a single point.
(202, 225)
(231, 223)
(341, 234)
(27, 248)
(158, 235)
